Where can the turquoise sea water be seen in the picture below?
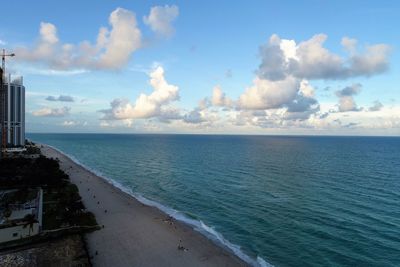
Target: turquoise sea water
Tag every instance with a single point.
(288, 201)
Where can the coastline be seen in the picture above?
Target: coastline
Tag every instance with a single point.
(136, 234)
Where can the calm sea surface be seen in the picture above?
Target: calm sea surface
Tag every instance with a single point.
(290, 201)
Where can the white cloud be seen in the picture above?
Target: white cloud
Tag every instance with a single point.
(160, 19)
(280, 97)
(169, 114)
(384, 121)
(266, 94)
(201, 116)
(145, 106)
(48, 32)
(349, 44)
(104, 124)
(306, 89)
(311, 60)
(112, 50)
(125, 123)
(69, 123)
(346, 100)
(121, 41)
(219, 98)
(52, 112)
(315, 61)
(386, 118)
(195, 116)
(373, 61)
(281, 93)
(52, 72)
(2, 42)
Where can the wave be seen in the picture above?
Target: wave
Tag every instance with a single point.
(197, 225)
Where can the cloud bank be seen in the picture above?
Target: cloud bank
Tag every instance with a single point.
(281, 94)
(52, 112)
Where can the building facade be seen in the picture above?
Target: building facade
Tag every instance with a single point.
(20, 220)
(14, 111)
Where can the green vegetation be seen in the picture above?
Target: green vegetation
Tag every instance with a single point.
(63, 206)
(26, 172)
(30, 150)
(18, 197)
(30, 219)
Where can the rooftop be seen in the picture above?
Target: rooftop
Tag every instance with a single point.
(18, 80)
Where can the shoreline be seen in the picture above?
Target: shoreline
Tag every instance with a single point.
(137, 233)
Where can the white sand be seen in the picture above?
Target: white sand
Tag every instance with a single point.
(135, 234)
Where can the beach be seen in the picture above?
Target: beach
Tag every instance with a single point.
(134, 234)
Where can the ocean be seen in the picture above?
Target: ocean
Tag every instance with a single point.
(273, 200)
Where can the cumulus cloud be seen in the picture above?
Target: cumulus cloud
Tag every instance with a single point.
(61, 98)
(349, 44)
(346, 100)
(195, 116)
(267, 94)
(347, 103)
(311, 60)
(112, 50)
(169, 114)
(301, 104)
(52, 112)
(274, 63)
(294, 97)
(282, 81)
(145, 106)
(278, 106)
(160, 19)
(220, 99)
(281, 94)
(201, 115)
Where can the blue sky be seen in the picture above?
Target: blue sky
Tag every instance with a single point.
(213, 65)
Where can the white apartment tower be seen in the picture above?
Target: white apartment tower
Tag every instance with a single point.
(14, 111)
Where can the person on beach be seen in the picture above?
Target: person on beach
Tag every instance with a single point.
(180, 247)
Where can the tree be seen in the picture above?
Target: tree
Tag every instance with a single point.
(7, 213)
(30, 220)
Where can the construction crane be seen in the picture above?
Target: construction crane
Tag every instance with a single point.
(3, 101)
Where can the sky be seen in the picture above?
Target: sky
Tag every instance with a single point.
(209, 67)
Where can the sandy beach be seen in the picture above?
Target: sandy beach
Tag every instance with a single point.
(135, 234)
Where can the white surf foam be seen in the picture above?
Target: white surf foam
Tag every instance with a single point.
(197, 225)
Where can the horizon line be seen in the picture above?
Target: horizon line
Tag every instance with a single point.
(221, 134)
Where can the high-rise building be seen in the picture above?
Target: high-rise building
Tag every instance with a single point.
(14, 117)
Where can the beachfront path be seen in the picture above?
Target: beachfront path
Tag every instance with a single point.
(135, 234)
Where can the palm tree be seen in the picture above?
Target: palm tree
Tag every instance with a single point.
(7, 213)
(30, 220)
